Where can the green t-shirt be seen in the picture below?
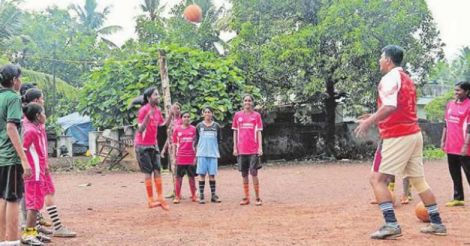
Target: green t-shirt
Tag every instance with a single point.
(10, 111)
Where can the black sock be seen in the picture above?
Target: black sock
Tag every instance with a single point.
(202, 183)
(212, 184)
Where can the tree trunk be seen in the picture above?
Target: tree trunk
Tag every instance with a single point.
(330, 106)
(165, 81)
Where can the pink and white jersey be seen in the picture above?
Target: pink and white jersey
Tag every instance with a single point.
(35, 147)
(457, 118)
(184, 139)
(149, 135)
(247, 125)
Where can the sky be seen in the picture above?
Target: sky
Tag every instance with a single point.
(450, 16)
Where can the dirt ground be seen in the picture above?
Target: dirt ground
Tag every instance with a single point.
(307, 204)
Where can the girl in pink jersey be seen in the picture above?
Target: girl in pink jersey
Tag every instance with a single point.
(184, 138)
(149, 119)
(247, 146)
(456, 139)
(34, 95)
(35, 146)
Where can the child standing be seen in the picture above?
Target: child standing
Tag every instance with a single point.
(13, 161)
(35, 146)
(208, 137)
(184, 138)
(149, 119)
(35, 95)
(247, 146)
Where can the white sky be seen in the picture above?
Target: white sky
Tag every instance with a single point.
(450, 16)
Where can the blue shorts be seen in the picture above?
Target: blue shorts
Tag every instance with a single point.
(206, 165)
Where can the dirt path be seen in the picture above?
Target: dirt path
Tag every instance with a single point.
(303, 205)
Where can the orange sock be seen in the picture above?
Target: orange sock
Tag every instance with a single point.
(256, 187)
(246, 189)
(158, 187)
(148, 186)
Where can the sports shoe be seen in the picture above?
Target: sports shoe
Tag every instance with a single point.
(215, 199)
(153, 204)
(64, 232)
(43, 238)
(455, 203)
(387, 232)
(201, 199)
(245, 201)
(164, 205)
(435, 229)
(30, 239)
(42, 221)
(170, 195)
(43, 230)
(176, 200)
(259, 202)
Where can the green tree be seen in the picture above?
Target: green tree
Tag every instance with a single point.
(335, 52)
(150, 26)
(10, 24)
(197, 78)
(93, 20)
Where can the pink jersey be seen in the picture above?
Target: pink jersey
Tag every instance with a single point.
(457, 118)
(149, 135)
(35, 147)
(184, 139)
(247, 125)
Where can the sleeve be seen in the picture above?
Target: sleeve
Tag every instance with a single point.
(141, 115)
(28, 138)
(389, 87)
(219, 133)
(468, 115)
(235, 122)
(259, 123)
(14, 110)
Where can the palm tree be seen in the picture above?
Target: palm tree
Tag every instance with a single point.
(152, 7)
(93, 20)
(10, 21)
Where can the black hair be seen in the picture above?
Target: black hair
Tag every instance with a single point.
(185, 112)
(395, 53)
(8, 73)
(249, 95)
(32, 110)
(207, 108)
(25, 87)
(464, 85)
(148, 93)
(31, 95)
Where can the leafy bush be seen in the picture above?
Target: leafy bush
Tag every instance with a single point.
(197, 79)
(435, 110)
(432, 153)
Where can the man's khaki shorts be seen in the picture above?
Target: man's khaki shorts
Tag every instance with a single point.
(400, 156)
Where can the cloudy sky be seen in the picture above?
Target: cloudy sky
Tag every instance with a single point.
(450, 16)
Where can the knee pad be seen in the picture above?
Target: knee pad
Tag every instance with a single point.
(419, 183)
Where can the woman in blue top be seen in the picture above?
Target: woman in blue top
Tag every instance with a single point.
(208, 138)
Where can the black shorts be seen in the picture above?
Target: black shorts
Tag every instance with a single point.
(186, 169)
(148, 158)
(11, 183)
(248, 162)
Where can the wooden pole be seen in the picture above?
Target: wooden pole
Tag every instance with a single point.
(165, 81)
